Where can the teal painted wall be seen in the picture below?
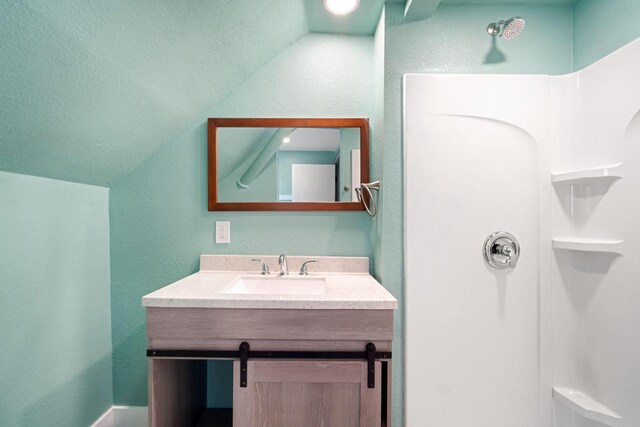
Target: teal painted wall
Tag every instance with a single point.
(378, 140)
(454, 40)
(603, 26)
(91, 89)
(55, 334)
(159, 219)
(288, 158)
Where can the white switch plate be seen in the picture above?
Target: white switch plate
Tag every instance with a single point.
(223, 232)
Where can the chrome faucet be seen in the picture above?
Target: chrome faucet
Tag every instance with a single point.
(265, 267)
(303, 270)
(282, 261)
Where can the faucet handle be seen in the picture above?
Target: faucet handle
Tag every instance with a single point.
(265, 267)
(303, 269)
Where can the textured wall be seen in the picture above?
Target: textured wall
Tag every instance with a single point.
(454, 40)
(55, 334)
(602, 26)
(377, 147)
(88, 90)
(159, 218)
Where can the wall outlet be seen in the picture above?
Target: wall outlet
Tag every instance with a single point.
(223, 232)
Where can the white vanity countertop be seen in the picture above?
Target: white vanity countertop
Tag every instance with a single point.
(348, 286)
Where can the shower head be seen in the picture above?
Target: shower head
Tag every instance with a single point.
(509, 29)
(513, 27)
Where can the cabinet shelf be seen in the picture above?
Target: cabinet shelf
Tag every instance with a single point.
(586, 406)
(587, 176)
(589, 245)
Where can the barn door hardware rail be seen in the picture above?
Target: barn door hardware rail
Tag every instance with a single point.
(244, 354)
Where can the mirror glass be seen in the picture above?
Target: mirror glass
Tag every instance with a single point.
(288, 164)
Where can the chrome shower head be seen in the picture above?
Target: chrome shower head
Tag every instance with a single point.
(513, 27)
(509, 29)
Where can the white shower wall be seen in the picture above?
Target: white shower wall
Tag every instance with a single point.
(485, 347)
(596, 295)
(475, 163)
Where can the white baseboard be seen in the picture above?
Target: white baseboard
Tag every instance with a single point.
(124, 416)
(106, 420)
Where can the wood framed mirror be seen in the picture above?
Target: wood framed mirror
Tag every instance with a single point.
(287, 164)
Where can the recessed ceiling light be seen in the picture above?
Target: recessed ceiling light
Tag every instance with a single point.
(341, 7)
(286, 140)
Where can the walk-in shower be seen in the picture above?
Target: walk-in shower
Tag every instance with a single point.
(541, 327)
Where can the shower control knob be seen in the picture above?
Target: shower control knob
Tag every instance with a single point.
(501, 250)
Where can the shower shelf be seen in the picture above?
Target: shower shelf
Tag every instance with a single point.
(589, 245)
(586, 406)
(587, 176)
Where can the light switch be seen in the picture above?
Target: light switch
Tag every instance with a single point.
(223, 232)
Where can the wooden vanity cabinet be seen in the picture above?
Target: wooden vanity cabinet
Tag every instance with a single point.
(177, 391)
(289, 392)
(307, 393)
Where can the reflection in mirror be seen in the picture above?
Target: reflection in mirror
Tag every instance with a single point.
(288, 164)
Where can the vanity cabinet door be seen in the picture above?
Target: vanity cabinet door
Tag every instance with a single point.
(310, 393)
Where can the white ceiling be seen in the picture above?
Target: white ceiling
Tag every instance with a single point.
(313, 139)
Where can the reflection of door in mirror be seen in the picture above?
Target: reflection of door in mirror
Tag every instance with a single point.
(349, 151)
(314, 154)
(313, 183)
(338, 150)
(355, 174)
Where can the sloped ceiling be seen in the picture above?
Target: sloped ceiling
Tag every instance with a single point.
(89, 89)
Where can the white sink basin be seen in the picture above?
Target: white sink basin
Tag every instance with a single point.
(278, 286)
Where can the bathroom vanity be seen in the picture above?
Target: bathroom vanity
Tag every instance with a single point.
(308, 350)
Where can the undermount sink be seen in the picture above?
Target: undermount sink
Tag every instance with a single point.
(278, 286)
